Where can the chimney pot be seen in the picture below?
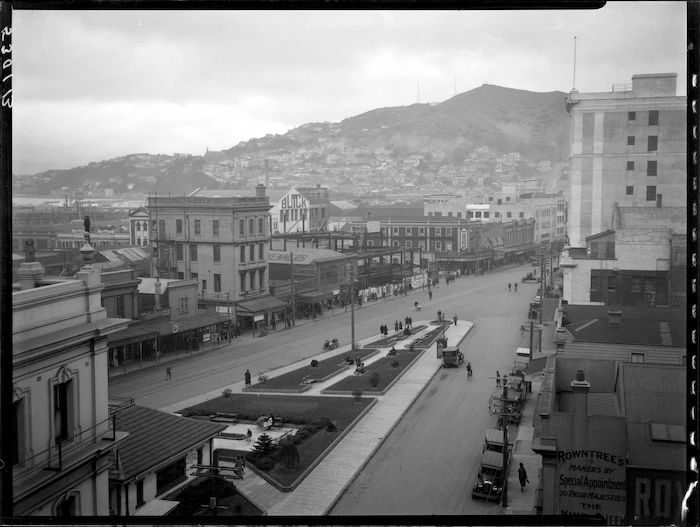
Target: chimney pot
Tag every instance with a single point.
(580, 376)
(614, 318)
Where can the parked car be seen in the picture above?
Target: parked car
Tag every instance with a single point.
(489, 483)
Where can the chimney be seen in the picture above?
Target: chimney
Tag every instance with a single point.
(260, 190)
(156, 286)
(614, 318)
(580, 388)
(29, 274)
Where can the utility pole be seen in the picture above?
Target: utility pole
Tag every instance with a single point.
(294, 297)
(504, 411)
(350, 277)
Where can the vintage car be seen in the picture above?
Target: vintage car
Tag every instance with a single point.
(452, 357)
(493, 441)
(489, 483)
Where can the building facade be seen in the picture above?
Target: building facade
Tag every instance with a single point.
(627, 146)
(302, 209)
(139, 227)
(62, 430)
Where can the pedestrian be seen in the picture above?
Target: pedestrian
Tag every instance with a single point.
(247, 377)
(430, 294)
(509, 286)
(410, 321)
(400, 326)
(168, 371)
(498, 379)
(386, 330)
(396, 326)
(522, 476)
(516, 286)
(405, 320)
(454, 319)
(248, 436)
(274, 323)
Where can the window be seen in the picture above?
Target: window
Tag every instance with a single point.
(653, 143)
(509, 215)
(521, 215)
(217, 283)
(486, 214)
(204, 285)
(448, 231)
(260, 226)
(243, 275)
(61, 419)
(507, 198)
(215, 227)
(651, 168)
(629, 191)
(651, 193)
(68, 506)
(200, 456)
(408, 243)
(42, 244)
(490, 198)
(653, 117)
(170, 476)
(251, 226)
(198, 226)
(193, 252)
(637, 357)
(409, 231)
(497, 214)
(630, 165)
(194, 276)
(217, 252)
(649, 285)
(595, 280)
(252, 253)
(161, 229)
(242, 255)
(395, 243)
(178, 226)
(459, 214)
(636, 284)
(396, 231)
(119, 306)
(184, 306)
(421, 231)
(179, 252)
(421, 245)
(477, 214)
(448, 246)
(241, 227)
(500, 201)
(631, 116)
(18, 419)
(261, 251)
(438, 231)
(180, 276)
(449, 214)
(139, 494)
(262, 278)
(630, 140)
(438, 246)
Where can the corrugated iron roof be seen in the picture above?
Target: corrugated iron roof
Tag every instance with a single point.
(653, 393)
(598, 403)
(156, 437)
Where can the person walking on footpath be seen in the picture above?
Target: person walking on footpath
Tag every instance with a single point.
(168, 372)
(248, 436)
(430, 295)
(516, 286)
(247, 377)
(396, 326)
(522, 476)
(454, 319)
(509, 287)
(498, 379)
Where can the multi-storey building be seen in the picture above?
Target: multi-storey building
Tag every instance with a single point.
(627, 146)
(222, 242)
(139, 232)
(62, 430)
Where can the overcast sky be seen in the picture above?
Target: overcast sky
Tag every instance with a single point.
(93, 85)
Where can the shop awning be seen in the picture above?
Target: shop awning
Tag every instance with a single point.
(188, 323)
(130, 335)
(265, 304)
(311, 297)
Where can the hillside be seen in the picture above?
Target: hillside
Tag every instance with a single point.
(501, 119)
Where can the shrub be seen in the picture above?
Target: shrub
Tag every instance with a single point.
(262, 378)
(303, 433)
(265, 463)
(314, 363)
(330, 427)
(264, 445)
(227, 392)
(192, 497)
(289, 454)
(357, 394)
(374, 379)
(395, 364)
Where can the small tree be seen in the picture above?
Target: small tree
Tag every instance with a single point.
(314, 363)
(289, 454)
(374, 379)
(264, 445)
(394, 364)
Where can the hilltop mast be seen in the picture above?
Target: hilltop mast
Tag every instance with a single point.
(574, 87)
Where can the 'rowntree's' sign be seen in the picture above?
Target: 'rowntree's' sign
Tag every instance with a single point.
(593, 482)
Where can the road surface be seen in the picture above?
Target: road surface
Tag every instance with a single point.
(429, 463)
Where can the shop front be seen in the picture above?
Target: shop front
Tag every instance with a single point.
(135, 343)
(260, 313)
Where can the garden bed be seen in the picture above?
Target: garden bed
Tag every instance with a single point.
(311, 413)
(297, 381)
(427, 340)
(388, 374)
(193, 496)
(394, 339)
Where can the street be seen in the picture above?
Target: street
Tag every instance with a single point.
(430, 461)
(433, 454)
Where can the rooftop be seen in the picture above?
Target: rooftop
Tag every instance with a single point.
(154, 438)
(640, 325)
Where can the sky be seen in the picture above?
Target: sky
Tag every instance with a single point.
(94, 85)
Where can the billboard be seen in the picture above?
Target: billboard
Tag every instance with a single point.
(373, 226)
